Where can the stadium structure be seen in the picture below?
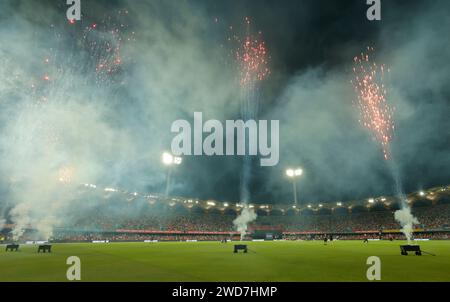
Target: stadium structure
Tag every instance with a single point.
(105, 103)
(157, 218)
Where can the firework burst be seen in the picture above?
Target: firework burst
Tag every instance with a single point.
(371, 99)
(252, 57)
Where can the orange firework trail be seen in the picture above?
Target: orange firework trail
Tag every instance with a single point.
(375, 112)
(253, 57)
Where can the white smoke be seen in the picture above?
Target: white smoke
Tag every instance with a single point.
(407, 221)
(2, 223)
(21, 219)
(404, 215)
(241, 222)
(72, 128)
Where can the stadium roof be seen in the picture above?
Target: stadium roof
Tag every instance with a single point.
(431, 196)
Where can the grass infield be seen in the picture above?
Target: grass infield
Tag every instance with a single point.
(214, 261)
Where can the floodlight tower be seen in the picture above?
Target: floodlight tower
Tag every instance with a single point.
(170, 161)
(293, 174)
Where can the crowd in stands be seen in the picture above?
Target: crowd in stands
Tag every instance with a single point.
(428, 217)
(370, 236)
(434, 217)
(205, 222)
(127, 237)
(99, 224)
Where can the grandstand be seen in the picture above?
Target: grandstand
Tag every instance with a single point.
(178, 219)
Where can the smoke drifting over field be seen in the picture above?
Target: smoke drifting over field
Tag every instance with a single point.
(407, 221)
(241, 222)
(73, 112)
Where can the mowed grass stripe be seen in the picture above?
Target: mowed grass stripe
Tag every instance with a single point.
(213, 261)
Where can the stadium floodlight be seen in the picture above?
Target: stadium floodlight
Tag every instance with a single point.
(339, 204)
(320, 205)
(225, 204)
(309, 206)
(170, 160)
(211, 203)
(177, 160)
(298, 172)
(422, 193)
(293, 174)
(167, 158)
(290, 172)
(371, 200)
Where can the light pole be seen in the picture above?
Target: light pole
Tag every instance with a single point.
(169, 160)
(293, 174)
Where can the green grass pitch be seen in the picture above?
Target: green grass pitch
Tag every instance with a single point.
(213, 261)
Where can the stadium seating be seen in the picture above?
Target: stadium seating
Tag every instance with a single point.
(132, 225)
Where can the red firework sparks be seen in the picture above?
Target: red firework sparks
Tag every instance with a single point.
(252, 56)
(376, 114)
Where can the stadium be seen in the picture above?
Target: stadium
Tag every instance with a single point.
(197, 236)
(224, 141)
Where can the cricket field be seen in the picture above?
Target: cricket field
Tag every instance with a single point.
(214, 261)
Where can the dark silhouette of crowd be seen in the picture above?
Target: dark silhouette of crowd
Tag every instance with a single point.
(131, 224)
(434, 217)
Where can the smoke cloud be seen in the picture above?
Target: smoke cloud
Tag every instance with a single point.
(66, 122)
(407, 221)
(319, 127)
(241, 222)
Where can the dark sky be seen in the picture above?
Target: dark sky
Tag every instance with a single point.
(308, 34)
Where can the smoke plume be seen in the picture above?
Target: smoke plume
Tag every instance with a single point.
(407, 221)
(241, 222)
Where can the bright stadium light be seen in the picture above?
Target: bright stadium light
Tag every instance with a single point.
(339, 204)
(298, 172)
(371, 200)
(309, 206)
(225, 204)
(177, 160)
(167, 158)
(320, 205)
(290, 172)
(170, 160)
(422, 193)
(293, 174)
